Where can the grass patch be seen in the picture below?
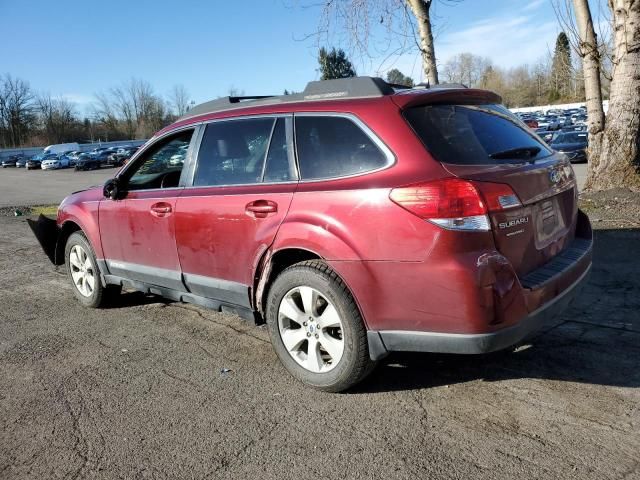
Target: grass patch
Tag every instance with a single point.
(48, 210)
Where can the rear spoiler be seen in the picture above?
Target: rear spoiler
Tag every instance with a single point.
(462, 96)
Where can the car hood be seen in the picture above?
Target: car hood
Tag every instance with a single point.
(568, 147)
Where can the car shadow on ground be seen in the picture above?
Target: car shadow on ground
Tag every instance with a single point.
(596, 340)
(132, 299)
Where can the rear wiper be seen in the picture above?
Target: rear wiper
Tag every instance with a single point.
(521, 152)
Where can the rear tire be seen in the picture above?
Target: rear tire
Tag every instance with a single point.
(326, 348)
(84, 274)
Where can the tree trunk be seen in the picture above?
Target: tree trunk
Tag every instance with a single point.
(420, 9)
(615, 158)
(590, 55)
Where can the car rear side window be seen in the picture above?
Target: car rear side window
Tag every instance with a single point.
(278, 167)
(331, 146)
(233, 152)
(474, 134)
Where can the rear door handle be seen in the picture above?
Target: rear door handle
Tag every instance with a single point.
(261, 208)
(160, 209)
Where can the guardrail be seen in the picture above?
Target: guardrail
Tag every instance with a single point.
(84, 147)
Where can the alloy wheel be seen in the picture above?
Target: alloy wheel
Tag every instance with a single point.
(82, 272)
(311, 329)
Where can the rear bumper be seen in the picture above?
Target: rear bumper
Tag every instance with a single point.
(382, 342)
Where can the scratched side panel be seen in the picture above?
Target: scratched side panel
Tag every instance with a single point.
(355, 225)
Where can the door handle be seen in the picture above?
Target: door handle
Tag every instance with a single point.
(160, 209)
(261, 208)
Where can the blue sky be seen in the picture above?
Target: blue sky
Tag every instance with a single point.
(76, 48)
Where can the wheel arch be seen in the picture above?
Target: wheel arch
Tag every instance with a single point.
(67, 228)
(270, 266)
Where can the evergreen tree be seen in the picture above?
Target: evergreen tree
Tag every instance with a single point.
(334, 64)
(396, 77)
(561, 70)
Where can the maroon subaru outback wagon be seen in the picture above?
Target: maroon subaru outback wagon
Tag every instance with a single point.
(356, 218)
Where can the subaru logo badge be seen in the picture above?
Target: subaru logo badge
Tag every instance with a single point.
(554, 175)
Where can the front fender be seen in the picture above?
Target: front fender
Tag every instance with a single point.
(85, 216)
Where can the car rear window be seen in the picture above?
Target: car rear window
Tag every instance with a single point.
(471, 134)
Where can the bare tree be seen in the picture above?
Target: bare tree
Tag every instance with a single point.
(179, 100)
(583, 38)
(133, 108)
(615, 158)
(422, 11)
(235, 92)
(614, 140)
(17, 116)
(590, 55)
(105, 112)
(407, 23)
(465, 68)
(57, 117)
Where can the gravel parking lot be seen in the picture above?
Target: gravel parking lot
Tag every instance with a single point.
(149, 389)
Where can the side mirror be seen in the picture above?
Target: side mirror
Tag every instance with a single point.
(112, 189)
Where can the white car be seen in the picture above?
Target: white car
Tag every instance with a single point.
(54, 163)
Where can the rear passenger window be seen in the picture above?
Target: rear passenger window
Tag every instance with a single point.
(233, 152)
(334, 147)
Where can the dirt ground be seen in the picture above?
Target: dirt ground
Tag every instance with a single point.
(141, 390)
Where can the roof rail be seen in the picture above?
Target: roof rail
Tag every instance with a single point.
(352, 87)
(340, 88)
(398, 86)
(223, 103)
(449, 85)
(236, 99)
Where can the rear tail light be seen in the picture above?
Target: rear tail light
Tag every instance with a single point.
(456, 204)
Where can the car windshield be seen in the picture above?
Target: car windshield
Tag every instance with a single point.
(475, 134)
(571, 137)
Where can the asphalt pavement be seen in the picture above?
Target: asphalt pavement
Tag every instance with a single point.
(20, 187)
(150, 389)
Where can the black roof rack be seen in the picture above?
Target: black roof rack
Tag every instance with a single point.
(341, 88)
(223, 103)
(353, 87)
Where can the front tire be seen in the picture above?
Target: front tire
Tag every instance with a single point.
(84, 273)
(316, 328)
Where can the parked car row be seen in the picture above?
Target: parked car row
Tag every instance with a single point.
(97, 158)
(563, 130)
(101, 156)
(554, 119)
